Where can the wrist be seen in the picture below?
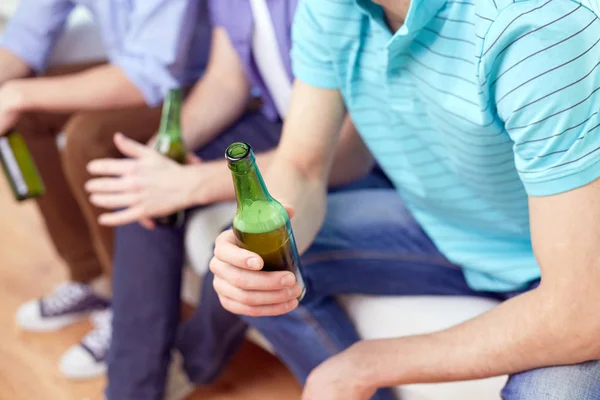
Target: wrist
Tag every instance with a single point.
(374, 366)
(13, 96)
(364, 360)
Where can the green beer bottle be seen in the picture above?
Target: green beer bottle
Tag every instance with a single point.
(19, 167)
(170, 144)
(261, 223)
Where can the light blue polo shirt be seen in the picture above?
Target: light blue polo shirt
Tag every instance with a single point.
(470, 107)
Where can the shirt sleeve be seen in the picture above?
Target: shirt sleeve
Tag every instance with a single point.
(541, 68)
(156, 45)
(311, 57)
(34, 29)
(218, 11)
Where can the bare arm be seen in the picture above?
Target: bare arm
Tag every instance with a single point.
(352, 161)
(12, 67)
(102, 87)
(160, 186)
(219, 98)
(556, 324)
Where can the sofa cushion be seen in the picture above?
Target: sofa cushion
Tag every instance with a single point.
(80, 43)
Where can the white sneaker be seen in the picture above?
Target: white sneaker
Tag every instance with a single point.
(88, 359)
(69, 303)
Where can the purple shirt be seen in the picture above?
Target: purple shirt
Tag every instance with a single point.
(159, 44)
(235, 16)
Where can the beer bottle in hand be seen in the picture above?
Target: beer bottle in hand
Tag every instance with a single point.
(261, 224)
(170, 144)
(19, 167)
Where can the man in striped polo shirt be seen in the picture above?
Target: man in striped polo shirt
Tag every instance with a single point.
(485, 114)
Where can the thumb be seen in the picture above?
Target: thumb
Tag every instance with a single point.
(130, 148)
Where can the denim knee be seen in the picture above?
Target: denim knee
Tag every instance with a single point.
(574, 382)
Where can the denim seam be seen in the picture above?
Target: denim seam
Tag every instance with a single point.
(376, 256)
(311, 320)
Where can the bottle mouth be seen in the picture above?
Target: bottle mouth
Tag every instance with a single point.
(238, 151)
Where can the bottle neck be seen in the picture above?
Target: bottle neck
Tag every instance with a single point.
(247, 179)
(170, 123)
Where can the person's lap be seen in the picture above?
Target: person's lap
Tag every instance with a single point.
(370, 244)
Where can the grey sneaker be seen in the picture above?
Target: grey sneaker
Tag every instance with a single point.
(69, 303)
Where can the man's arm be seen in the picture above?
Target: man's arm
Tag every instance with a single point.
(352, 161)
(219, 98)
(160, 186)
(556, 324)
(102, 87)
(12, 67)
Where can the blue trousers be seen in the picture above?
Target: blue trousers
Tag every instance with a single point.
(369, 244)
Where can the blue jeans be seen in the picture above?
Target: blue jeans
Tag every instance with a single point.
(370, 244)
(146, 302)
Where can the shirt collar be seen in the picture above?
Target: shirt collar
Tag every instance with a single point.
(419, 14)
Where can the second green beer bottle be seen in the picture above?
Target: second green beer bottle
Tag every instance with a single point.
(261, 223)
(170, 143)
(19, 167)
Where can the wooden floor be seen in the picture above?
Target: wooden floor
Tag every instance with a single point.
(28, 362)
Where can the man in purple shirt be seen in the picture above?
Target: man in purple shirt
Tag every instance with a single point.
(147, 44)
(148, 263)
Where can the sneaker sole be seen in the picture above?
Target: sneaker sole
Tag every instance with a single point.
(52, 324)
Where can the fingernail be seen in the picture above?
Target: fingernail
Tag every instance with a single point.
(290, 293)
(288, 280)
(253, 263)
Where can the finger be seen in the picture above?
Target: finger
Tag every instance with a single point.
(109, 185)
(257, 311)
(227, 250)
(122, 217)
(148, 223)
(290, 210)
(193, 159)
(252, 280)
(111, 167)
(114, 200)
(131, 148)
(256, 297)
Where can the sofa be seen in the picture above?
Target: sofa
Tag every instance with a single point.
(375, 317)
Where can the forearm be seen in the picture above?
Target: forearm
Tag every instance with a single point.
(211, 108)
(12, 67)
(352, 159)
(103, 87)
(527, 332)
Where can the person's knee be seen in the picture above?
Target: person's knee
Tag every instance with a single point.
(577, 382)
(87, 137)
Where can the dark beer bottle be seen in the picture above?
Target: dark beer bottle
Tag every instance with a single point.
(261, 223)
(19, 167)
(170, 144)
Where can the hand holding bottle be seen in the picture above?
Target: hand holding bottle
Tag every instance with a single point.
(244, 288)
(256, 265)
(144, 186)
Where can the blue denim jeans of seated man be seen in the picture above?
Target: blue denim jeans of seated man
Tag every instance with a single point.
(147, 277)
(370, 244)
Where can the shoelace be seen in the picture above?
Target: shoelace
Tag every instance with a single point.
(98, 340)
(64, 296)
